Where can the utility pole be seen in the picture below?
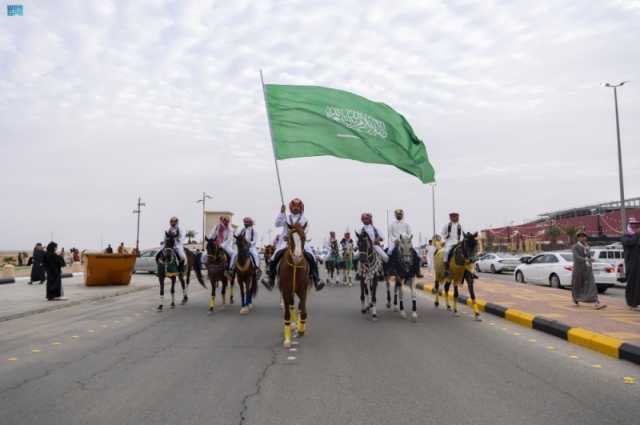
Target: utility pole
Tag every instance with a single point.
(205, 196)
(433, 208)
(138, 211)
(623, 212)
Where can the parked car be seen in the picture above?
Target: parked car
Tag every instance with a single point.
(554, 269)
(614, 255)
(146, 262)
(497, 263)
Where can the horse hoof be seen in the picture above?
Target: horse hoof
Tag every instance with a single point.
(456, 314)
(449, 308)
(231, 300)
(477, 318)
(244, 310)
(395, 308)
(287, 343)
(211, 310)
(374, 318)
(363, 311)
(436, 304)
(403, 314)
(414, 317)
(184, 300)
(160, 307)
(388, 305)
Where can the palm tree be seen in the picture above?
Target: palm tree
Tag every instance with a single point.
(571, 231)
(190, 235)
(553, 233)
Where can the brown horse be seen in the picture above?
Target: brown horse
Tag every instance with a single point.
(269, 250)
(216, 263)
(294, 279)
(246, 272)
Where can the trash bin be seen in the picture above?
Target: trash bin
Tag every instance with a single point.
(108, 269)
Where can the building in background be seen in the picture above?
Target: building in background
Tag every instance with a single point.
(211, 218)
(557, 229)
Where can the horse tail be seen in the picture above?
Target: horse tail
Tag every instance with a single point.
(197, 267)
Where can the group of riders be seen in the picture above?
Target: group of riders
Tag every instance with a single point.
(223, 236)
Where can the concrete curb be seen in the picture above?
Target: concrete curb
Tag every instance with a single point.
(59, 305)
(5, 280)
(603, 344)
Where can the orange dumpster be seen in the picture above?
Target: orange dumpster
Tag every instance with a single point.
(108, 269)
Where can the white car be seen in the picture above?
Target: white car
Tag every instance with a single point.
(146, 262)
(554, 269)
(496, 263)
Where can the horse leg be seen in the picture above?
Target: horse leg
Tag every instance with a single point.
(173, 292)
(447, 285)
(414, 309)
(472, 295)
(212, 302)
(302, 315)
(374, 287)
(161, 279)
(363, 289)
(400, 292)
(386, 280)
(395, 293)
(436, 301)
(231, 281)
(288, 302)
(244, 294)
(185, 287)
(455, 298)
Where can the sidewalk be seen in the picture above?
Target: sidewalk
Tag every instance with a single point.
(616, 320)
(21, 299)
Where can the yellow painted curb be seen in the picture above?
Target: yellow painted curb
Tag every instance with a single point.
(480, 303)
(595, 341)
(519, 317)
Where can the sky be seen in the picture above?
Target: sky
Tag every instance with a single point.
(104, 101)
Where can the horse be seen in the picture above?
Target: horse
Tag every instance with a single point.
(216, 264)
(169, 265)
(369, 269)
(269, 250)
(246, 272)
(402, 269)
(461, 263)
(333, 260)
(347, 258)
(294, 279)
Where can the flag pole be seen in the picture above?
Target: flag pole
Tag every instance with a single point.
(275, 158)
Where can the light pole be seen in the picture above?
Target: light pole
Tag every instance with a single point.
(433, 208)
(623, 212)
(136, 211)
(205, 196)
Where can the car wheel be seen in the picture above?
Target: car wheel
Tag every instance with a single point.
(520, 277)
(554, 281)
(477, 268)
(493, 269)
(602, 289)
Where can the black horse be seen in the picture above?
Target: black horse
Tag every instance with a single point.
(169, 265)
(369, 271)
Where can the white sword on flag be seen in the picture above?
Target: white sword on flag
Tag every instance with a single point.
(275, 158)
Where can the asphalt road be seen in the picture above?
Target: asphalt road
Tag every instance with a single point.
(119, 362)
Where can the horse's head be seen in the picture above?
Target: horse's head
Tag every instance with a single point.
(364, 244)
(296, 237)
(470, 245)
(213, 249)
(169, 240)
(405, 245)
(242, 244)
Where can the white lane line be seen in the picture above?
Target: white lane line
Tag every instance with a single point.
(291, 358)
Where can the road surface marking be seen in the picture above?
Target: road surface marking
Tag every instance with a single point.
(293, 350)
(36, 350)
(573, 356)
(532, 340)
(75, 336)
(629, 380)
(492, 324)
(105, 326)
(296, 342)
(56, 343)
(596, 366)
(551, 347)
(91, 331)
(12, 359)
(516, 334)
(291, 358)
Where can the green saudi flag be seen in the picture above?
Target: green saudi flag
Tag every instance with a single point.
(314, 121)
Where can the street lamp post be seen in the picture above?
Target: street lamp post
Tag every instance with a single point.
(623, 212)
(433, 208)
(205, 196)
(138, 211)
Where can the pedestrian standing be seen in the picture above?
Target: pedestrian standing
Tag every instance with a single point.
(53, 264)
(37, 266)
(583, 283)
(109, 250)
(631, 245)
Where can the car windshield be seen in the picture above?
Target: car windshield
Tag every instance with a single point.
(567, 256)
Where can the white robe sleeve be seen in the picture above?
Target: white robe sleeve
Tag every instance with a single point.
(281, 220)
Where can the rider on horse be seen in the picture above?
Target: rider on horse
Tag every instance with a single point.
(374, 235)
(222, 235)
(175, 231)
(332, 240)
(296, 216)
(401, 228)
(346, 241)
(251, 237)
(452, 235)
